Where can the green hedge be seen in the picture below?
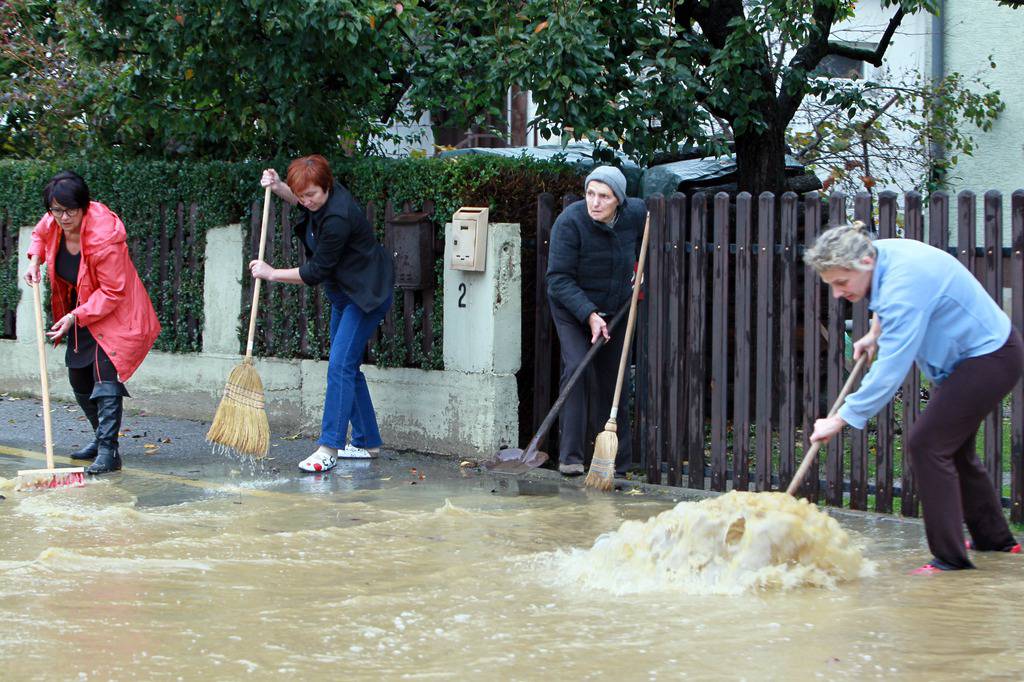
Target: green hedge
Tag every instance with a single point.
(135, 191)
(224, 193)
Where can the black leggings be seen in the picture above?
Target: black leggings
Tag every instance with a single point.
(84, 379)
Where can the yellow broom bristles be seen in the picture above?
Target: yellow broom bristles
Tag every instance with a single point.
(602, 467)
(241, 422)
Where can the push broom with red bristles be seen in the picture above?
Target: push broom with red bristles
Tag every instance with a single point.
(41, 479)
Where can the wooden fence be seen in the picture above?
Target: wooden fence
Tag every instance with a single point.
(8, 259)
(740, 347)
(168, 256)
(169, 261)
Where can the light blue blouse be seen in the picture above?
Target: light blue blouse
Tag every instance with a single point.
(932, 311)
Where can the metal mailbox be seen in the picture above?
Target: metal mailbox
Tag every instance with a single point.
(410, 239)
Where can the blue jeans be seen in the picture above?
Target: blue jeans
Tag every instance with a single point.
(348, 399)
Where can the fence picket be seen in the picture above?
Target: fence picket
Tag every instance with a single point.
(720, 343)
(8, 248)
(543, 331)
(655, 434)
(789, 393)
(1017, 317)
(812, 342)
(862, 211)
(888, 208)
(992, 278)
(695, 333)
(269, 288)
(966, 223)
(835, 364)
(743, 342)
(764, 359)
(676, 369)
(428, 295)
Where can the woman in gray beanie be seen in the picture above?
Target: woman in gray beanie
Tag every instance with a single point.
(594, 247)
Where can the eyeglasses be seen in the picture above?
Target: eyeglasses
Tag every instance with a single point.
(63, 212)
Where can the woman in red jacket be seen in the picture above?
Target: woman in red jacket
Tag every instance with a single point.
(98, 302)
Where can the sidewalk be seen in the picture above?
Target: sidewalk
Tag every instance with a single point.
(178, 447)
(162, 446)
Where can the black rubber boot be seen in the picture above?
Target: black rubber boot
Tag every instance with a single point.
(88, 406)
(109, 397)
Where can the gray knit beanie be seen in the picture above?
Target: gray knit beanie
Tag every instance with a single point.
(611, 176)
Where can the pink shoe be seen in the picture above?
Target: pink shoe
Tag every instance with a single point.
(927, 569)
(1013, 550)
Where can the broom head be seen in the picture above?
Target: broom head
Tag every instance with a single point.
(241, 423)
(45, 479)
(602, 467)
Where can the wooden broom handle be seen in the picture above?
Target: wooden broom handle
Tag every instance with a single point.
(798, 478)
(44, 378)
(256, 285)
(631, 321)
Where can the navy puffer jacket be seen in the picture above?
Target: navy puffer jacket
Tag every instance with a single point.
(590, 264)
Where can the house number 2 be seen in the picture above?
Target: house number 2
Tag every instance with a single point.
(462, 294)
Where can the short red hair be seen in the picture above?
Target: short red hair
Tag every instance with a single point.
(309, 170)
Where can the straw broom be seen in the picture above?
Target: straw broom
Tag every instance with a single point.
(39, 479)
(240, 423)
(602, 466)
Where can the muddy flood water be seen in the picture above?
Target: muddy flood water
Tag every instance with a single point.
(372, 572)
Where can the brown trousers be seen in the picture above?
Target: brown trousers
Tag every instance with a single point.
(952, 483)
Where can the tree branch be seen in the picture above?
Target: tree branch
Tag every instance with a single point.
(873, 57)
(794, 83)
(802, 154)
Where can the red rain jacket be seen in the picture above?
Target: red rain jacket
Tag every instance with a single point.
(112, 301)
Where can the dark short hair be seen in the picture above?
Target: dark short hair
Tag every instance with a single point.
(309, 170)
(68, 189)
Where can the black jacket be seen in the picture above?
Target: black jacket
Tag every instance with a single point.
(347, 252)
(590, 264)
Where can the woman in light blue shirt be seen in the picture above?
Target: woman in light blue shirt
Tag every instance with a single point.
(929, 309)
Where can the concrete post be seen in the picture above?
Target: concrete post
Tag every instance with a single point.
(222, 290)
(482, 310)
(25, 318)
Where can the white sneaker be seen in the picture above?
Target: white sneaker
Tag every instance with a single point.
(352, 452)
(323, 459)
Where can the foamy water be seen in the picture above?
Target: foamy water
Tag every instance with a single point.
(726, 545)
(145, 576)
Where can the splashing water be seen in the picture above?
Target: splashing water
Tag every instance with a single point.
(729, 544)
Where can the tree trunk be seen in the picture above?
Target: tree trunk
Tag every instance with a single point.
(761, 161)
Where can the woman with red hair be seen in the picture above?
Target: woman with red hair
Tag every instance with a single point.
(358, 276)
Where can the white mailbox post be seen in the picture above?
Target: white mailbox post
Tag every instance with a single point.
(482, 329)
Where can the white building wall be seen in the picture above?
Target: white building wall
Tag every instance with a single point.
(973, 30)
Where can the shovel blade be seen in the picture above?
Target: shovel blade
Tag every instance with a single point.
(515, 461)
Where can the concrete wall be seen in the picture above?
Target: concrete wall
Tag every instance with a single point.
(960, 39)
(973, 30)
(470, 408)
